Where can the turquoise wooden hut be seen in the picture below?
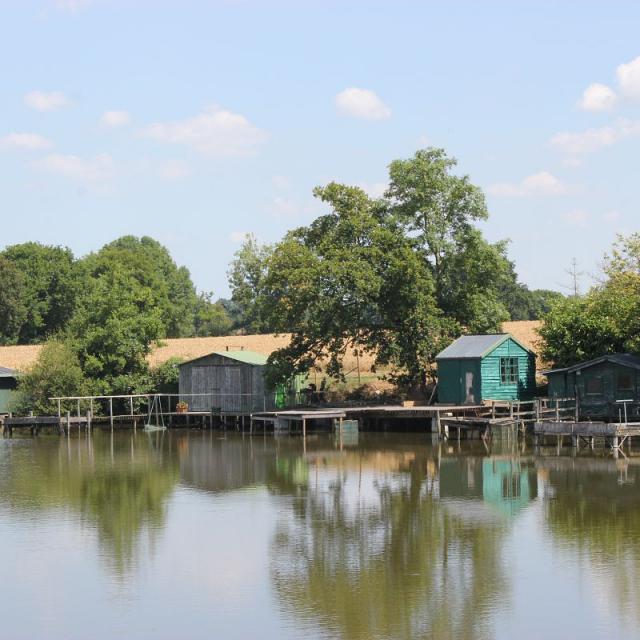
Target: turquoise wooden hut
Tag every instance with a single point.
(473, 369)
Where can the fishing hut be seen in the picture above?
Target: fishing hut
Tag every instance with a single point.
(603, 387)
(8, 384)
(474, 369)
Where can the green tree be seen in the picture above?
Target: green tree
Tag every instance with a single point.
(246, 276)
(606, 320)
(351, 280)
(13, 309)
(151, 266)
(117, 321)
(211, 318)
(437, 210)
(56, 372)
(51, 282)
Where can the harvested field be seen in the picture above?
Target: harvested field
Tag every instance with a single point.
(23, 356)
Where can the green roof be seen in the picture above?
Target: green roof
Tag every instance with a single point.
(248, 357)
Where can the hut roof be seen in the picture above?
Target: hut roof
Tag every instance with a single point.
(471, 347)
(623, 359)
(8, 373)
(246, 357)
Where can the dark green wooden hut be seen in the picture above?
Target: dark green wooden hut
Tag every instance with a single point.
(599, 385)
(8, 383)
(486, 367)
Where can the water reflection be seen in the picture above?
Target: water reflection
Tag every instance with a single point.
(389, 543)
(593, 509)
(117, 485)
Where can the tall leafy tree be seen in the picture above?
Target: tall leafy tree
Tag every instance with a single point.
(246, 276)
(606, 320)
(437, 210)
(117, 321)
(152, 267)
(13, 308)
(51, 286)
(351, 280)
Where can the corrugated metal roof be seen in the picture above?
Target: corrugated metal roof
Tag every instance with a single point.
(472, 346)
(246, 357)
(8, 373)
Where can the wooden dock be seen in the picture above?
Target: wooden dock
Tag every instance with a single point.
(612, 434)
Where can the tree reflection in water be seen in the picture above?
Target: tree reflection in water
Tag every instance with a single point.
(118, 485)
(592, 506)
(370, 551)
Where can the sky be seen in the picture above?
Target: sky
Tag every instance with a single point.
(198, 122)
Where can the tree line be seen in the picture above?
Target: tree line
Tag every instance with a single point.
(397, 277)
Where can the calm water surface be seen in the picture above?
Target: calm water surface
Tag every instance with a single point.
(198, 535)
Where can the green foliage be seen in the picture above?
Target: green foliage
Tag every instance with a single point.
(117, 320)
(57, 372)
(397, 277)
(211, 318)
(165, 377)
(351, 280)
(150, 266)
(13, 310)
(51, 288)
(246, 275)
(606, 320)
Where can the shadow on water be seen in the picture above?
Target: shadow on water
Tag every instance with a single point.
(118, 485)
(402, 542)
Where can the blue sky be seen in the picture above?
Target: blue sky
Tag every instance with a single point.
(195, 122)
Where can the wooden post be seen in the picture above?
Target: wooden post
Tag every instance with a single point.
(88, 421)
(131, 405)
(59, 408)
(557, 410)
(111, 412)
(304, 428)
(493, 409)
(69, 423)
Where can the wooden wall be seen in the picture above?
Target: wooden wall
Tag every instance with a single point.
(230, 385)
(492, 386)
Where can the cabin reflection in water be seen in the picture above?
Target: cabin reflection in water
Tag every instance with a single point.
(503, 485)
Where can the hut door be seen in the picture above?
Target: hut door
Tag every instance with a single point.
(470, 396)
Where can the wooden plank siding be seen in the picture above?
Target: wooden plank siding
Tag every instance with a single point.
(229, 385)
(492, 386)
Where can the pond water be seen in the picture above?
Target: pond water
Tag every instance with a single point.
(201, 535)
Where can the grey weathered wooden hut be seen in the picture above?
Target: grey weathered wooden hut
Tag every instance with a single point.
(8, 383)
(228, 381)
(599, 385)
(473, 369)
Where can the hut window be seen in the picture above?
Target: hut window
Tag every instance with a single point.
(594, 386)
(625, 382)
(509, 370)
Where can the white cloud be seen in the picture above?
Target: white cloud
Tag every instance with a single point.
(581, 142)
(281, 183)
(238, 236)
(598, 97)
(90, 171)
(43, 101)
(115, 119)
(629, 79)
(537, 184)
(25, 141)
(577, 218)
(362, 103)
(612, 216)
(215, 132)
(284, 207)
(374, 189)
(72, 6)
(174, 170)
